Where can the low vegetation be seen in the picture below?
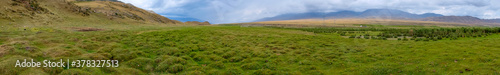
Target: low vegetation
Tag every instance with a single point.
(231, 49)
(417, 34)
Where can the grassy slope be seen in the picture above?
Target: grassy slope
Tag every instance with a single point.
(245, 50)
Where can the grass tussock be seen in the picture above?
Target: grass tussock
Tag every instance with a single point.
(234, 50)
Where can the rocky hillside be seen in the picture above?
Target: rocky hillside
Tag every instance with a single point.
(119, 10)
(45, 12)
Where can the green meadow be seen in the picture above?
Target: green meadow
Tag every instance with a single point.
(236, 50)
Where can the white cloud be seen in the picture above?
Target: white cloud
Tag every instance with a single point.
(230, 11)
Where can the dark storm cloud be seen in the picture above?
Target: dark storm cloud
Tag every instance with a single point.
(230, 11)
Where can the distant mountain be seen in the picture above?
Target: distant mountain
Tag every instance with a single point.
(185, 19)
(370, 13)
(456, 19)
(493, 20)
(461, 19)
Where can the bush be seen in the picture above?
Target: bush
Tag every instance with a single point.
(352, 36)
(426, 39)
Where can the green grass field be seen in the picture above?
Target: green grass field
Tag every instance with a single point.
(235, 50)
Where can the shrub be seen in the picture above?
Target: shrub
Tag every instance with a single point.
(352, 36)
(426, 39)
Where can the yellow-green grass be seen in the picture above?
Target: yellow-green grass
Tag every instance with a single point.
(166, 49)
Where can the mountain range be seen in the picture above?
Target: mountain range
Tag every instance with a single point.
(184, 19)
(382, 14)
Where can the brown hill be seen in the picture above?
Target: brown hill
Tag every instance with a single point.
(119, 10)
(47, 12)
(198, 23)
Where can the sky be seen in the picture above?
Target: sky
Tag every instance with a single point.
(236, 11)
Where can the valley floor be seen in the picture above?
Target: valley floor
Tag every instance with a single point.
(242, 50)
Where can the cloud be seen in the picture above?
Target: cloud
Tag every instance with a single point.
(231, 11)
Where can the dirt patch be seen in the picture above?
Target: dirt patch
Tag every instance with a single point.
(3, 50)
(87, 29)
